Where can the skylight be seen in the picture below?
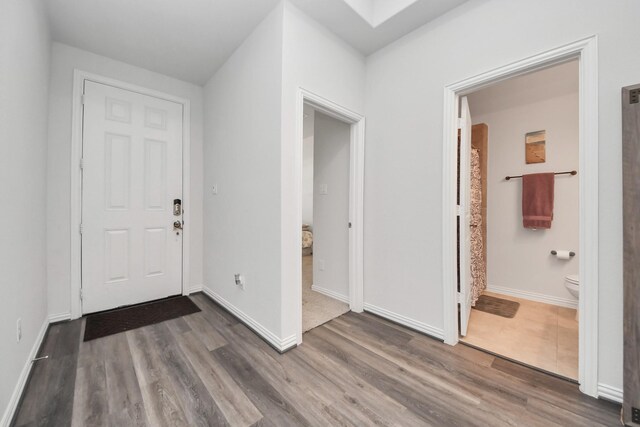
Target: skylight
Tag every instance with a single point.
(375, 12)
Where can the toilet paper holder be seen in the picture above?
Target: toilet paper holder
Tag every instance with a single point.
(554, 252)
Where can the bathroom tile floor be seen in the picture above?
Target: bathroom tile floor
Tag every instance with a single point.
(541, 335)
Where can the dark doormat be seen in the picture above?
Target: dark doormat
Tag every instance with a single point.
(124, 319)
(497, 306)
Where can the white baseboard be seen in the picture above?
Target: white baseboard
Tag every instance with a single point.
(405, 321)
(60, 317)
(280, 344)
(330, 293)
(610, 393)
(534, 296)
(193, 289)
(22, 379)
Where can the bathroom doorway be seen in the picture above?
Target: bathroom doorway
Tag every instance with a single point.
(518, 243)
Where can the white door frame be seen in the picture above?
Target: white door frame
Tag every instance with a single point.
(586, 52)
(79, 77)
(356, 197)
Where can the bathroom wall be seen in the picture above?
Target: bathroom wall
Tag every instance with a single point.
(518, 259)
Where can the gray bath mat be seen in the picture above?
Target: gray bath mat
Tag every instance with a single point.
(497, 306)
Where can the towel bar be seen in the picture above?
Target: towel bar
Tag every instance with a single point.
(555, 173)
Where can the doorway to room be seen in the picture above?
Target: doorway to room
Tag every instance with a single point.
(336, 205)
(519, 239)
(457, 300)
(325, 218)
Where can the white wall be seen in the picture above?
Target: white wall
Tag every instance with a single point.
(242, 156)
(307, 166)
(64, 60)
(318, 61)
(331, 209)
(404, 107)
(24, 85)
(518, 259)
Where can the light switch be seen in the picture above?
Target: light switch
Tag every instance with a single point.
(324, 189)
(214, 189)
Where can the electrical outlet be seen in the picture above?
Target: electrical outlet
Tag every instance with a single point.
(214, 189)
(635, 415)
(239, 280)
(18, 330)
(321, 265)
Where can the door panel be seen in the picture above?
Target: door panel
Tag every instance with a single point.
(132, 172)
(465, 202)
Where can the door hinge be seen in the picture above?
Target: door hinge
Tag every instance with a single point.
(349, 224)
(459, 297)
(81, 229)
(81, 295)
(460, 122)
(82, 163)
(458, 210)
(83, 98)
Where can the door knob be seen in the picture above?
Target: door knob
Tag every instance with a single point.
(177, 225)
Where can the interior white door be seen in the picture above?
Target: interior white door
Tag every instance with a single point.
(131, 174)
(465, 216)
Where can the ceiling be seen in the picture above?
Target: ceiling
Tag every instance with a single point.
(369, 25)
(191, 39)
(186, 39)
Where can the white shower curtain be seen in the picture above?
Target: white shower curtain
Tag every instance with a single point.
(478, 270)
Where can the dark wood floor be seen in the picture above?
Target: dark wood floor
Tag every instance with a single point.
(207, 369)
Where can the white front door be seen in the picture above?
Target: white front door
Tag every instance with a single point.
(465, 216)
(131, 175)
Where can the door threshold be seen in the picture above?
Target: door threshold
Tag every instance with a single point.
(517, 362)
(120, 307)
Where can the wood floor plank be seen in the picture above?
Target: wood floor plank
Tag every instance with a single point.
(235, 405)
(266, 398)
(124, 397)
(90, 406)
(464, 383)
(54, 376)
(207, 335)
(357, 370)
(160, 398)
(297, 383)
(394, 383)
(199, 407)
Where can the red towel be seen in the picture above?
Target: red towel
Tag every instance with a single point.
(537, 200)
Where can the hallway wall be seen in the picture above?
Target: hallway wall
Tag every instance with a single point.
(24, 86)
(404, 108)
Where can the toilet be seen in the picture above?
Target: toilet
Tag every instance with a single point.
(572, 283)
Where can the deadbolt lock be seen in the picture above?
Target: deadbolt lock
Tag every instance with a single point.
(177, 207)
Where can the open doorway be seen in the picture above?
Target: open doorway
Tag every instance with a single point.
(519, 238)
(354, 225)
(325, 218)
